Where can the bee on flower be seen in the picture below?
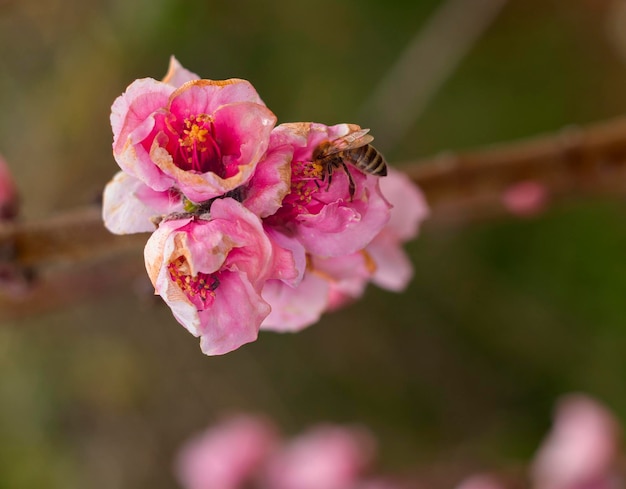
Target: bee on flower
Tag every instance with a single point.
(257, 226)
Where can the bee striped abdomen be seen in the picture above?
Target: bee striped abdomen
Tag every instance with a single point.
(369, 160)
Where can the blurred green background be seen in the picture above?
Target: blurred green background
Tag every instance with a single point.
(457, 374)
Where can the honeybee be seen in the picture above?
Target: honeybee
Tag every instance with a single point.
(354, 148)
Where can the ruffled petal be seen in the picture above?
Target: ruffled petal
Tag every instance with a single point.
(129, 206)
(177, 75)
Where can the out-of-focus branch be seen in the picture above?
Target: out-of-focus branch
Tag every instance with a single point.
(424, 66)
(572, 163)
(460, 187)
(65, 238)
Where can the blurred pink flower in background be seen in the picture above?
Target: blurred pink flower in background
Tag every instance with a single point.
(245, 452)
(580, 452)
(582, 449)
(526, 198)
(9, 201)
(325, 457)
(226, 456)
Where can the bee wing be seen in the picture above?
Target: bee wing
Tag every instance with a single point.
(353, 140)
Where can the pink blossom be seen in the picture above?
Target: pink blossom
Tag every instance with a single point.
(130, 206)
(325, 457)
(393, 267)
(526, 198)
(210, 271)
(582, 449)
(202, 137)
(227, 455)
(323, 215)
(8, 192)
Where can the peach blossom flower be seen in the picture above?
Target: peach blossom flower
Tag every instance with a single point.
(8, 192)
(202, 137)
(324, 457)
(210, 271)
(226, 456)
(526, 198)
(581, 451)
(323, 215)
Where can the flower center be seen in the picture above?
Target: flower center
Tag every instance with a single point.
(307, 180)
(198, 150)
(199, 289)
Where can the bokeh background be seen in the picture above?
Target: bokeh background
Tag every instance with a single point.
(457, 374)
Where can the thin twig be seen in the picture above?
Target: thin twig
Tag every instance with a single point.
(572, 163)
(427, 62)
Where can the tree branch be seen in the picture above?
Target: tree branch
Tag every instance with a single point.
(572, 163)
(459, 187)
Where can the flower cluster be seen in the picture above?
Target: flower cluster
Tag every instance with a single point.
(582, 451)
(247, 451)
(254, 229)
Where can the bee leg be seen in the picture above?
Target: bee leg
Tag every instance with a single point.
(329, 173)
(351, 184)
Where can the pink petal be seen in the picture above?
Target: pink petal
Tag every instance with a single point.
(131, 109)
(295, 308)
(256, 259)
(347, 275)
(409, 205)
(8, 192)
(289, 259)
(129, 205)
(206, 96)
(235, 317)
(133, 123)
(211, 271)
(270, 182)
(346, 227)
(177, 75)
(394, 269)
(243, 129)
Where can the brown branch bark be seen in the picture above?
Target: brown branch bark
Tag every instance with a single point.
(572, 163)
(459, 187)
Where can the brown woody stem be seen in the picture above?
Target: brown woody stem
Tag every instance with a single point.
(459, 187)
